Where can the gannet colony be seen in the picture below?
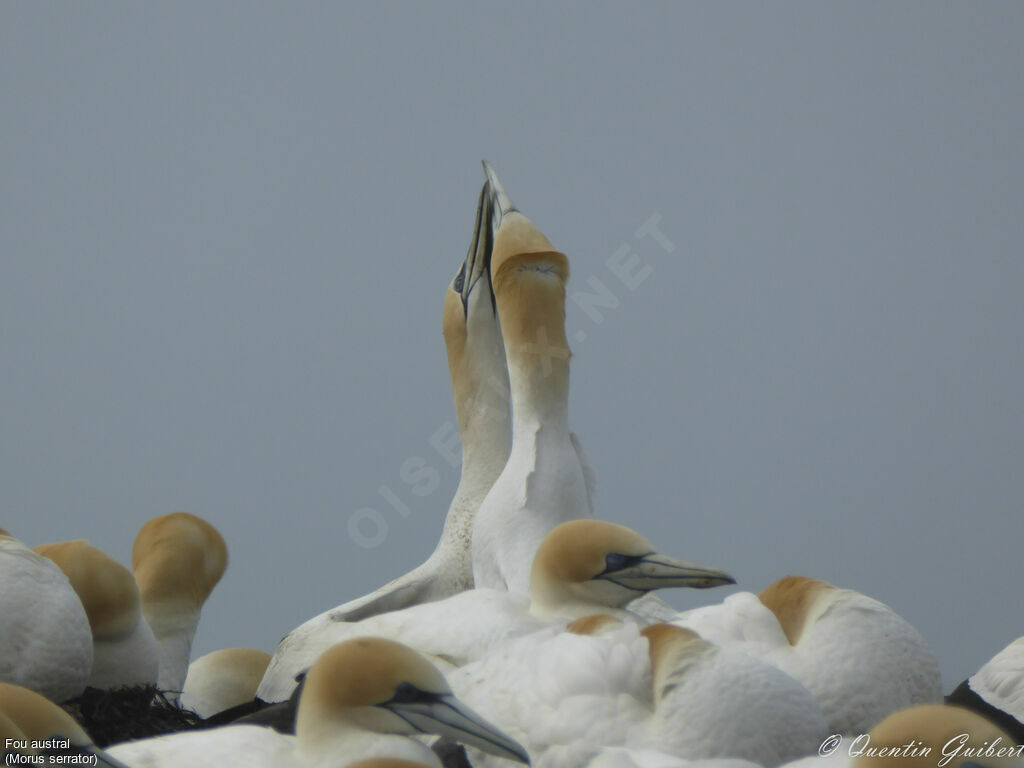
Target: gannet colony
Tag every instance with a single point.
(531, 634)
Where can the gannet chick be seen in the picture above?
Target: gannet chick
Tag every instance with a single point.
(125, 652)
(363, 698)
(581, 567)
(177, 560)
(50, 731)
(543, 483)
(476, 363)
(996, 691)
(223, 679)
(45, 640)
(859, 658)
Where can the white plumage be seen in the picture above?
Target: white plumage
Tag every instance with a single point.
(859, 658)
(45, 640)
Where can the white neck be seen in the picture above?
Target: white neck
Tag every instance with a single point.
(174, 631)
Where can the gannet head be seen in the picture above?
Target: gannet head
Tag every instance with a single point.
(518, 244)
(476, 352)
(584, 564)
(40, 719)
(105, 587)
(950, 733)
(528, 275)
(796, 602)
(382, 686)
(673, 650)
(177, 560)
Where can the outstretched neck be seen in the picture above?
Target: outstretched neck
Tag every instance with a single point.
(530, 290)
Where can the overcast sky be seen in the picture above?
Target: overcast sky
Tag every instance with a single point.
(226, 230)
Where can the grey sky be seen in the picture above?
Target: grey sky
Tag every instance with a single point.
(226, 230)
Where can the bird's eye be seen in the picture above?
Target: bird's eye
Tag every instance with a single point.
(615, 561)
(406, 693)
(460, 280)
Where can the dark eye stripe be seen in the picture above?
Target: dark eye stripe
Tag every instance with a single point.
(616, 561)
(407, 693)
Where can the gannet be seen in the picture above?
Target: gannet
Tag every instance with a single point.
(125, 652)
(45, 641)
(996, 691)
(363, 698)
(859, 658)
(544, 482)
(177, 560)
(51, 732)
(582, 567)
(661, 688)
(476, 363)
(223, 679)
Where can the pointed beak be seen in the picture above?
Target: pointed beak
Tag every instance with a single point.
(658, 571)
(447, 716)
(477, 265)
(500, 202)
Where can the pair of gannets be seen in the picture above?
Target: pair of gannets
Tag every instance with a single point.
(582, 567)
(72, 616)
(40, 732)
(569, 695)
(476, 364)
(997, 690)
(511, 274)
(362, 699)
(859, 658)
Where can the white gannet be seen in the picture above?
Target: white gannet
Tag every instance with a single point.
(53, 735)
(476, 363)
(223, 679)
(716, 702)
(858, 657)
(996, 691)
(661, 689)
(125, 652)
(582, 567)
(362, 698)
(45, 641)
(544, 481)
(177, 560)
